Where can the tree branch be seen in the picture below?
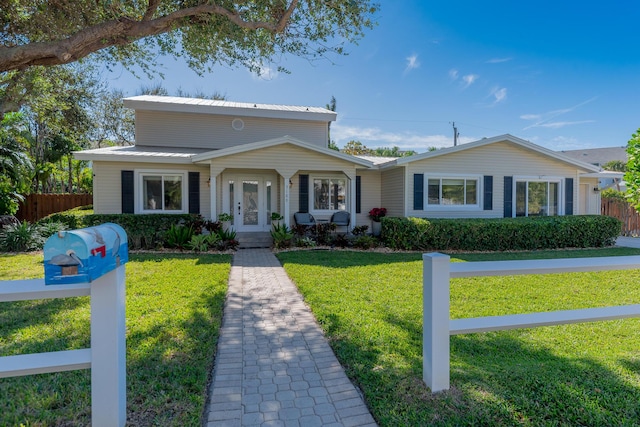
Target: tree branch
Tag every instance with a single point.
(121, 32)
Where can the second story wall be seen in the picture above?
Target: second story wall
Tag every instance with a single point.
(162, 129)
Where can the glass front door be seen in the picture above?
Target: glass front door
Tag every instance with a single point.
(251, 200)
(248, 205)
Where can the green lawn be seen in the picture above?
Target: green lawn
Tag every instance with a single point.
(174, 309)
(370, 306)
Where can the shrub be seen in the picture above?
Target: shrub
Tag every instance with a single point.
(144, 231)
(179, 236)
(304, 242)
(72, 218)
(360, 230)
(26, 237)
(282, 236)
(366, 242)
(612, 193)
(500, 234)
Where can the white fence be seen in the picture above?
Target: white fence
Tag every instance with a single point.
(437, 325)
(107, 356)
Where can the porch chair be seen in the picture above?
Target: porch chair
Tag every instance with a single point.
(304, 218)
(341, 219)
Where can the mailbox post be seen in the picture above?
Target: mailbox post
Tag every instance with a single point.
(97, 255)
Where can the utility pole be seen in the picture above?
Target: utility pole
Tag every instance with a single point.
(455, 134)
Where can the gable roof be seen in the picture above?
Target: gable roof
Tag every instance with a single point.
(279, 141)
(598, 156)
(500, 138)
(244, 109)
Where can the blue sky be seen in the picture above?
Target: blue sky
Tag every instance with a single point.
(562, 74)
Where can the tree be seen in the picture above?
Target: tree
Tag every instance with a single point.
(632, 177)
(331, 106)
(615, 165)
(205, 33)
(392, 152)
(357, 148)
(14, 164)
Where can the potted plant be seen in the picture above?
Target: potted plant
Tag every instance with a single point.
(225, 219)
(276, 219)
(376, 214)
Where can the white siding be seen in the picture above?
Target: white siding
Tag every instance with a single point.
(392, 191)
(107, 184)
(165, 129)
(498, 160)
(370, 188)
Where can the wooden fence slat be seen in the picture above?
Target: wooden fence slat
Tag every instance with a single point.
(37, 206)
(624, 212)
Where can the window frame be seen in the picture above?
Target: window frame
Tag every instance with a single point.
(560, 181)
(464, 207)
(139, 190)
(312, 194)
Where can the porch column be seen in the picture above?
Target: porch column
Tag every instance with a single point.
(213, 189)
(286, 175)
(351, 208)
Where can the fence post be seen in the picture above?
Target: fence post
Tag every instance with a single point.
(435, 321)
(108, 350)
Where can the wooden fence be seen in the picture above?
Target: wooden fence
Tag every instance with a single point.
(624, 212)
(37, 206)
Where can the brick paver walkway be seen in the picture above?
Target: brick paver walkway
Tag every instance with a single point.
(274, 366)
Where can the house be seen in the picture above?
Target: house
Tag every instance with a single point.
(209, 157)
(600, 157)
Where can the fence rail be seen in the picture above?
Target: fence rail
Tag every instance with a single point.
(438, 327)
(106, 358)
(626, 213)
(37, 206)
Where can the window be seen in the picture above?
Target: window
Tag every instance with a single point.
(162, 192)
(454, 191)
(537, 198)
(329, 194)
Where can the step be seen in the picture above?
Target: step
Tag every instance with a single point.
(254, 240)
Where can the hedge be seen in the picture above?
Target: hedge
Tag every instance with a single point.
(500, 234)
(144, 231)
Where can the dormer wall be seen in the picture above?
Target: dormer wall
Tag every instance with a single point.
(212, 132)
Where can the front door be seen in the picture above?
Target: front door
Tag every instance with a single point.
(251, 200)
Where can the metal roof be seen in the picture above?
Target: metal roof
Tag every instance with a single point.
(222, 107)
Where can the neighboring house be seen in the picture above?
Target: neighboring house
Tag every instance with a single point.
(600, 157)
(210, 157)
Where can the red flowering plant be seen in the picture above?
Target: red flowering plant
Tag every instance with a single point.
(376, 213)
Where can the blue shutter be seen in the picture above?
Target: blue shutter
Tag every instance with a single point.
(126, 191)
(358, 194)
(508, 196)
(303, 194)
(194, 192)
(488, 193)
(418, 191)
(568, 196)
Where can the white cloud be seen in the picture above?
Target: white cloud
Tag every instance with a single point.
(453, 74)
(531, 117)
(544, 119)
(374, 137)
(499, 95)
(498, 60)
(469, 79)
(264, 72)
(558, 125)
(412, 63)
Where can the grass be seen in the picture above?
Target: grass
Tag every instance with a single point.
(174, 309)
(370, 306)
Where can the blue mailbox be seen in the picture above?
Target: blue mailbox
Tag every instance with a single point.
(83, 255)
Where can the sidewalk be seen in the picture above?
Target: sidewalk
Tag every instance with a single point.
(629, 242)
(274, 366)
